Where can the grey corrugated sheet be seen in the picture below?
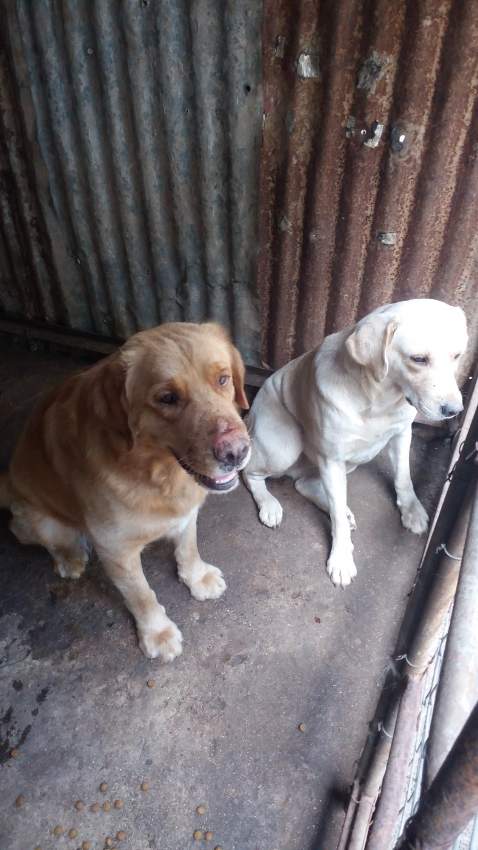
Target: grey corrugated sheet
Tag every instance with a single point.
(129, 156)
(330, 202)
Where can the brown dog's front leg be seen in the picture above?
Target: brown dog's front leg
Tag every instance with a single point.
(158, 635)
(204, 580)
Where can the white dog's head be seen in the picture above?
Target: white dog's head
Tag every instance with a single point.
(417, 345)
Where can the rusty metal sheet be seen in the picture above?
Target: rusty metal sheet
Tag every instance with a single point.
(129, 155)
(369, 182)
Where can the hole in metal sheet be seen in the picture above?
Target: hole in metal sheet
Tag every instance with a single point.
(398, 138)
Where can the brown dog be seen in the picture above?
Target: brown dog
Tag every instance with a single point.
(123, 454)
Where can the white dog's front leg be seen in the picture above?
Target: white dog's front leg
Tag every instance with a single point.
(414, 515)
(204, 580)
(270, 509)
(340, 566)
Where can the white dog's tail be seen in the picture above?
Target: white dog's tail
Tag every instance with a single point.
(5, 490)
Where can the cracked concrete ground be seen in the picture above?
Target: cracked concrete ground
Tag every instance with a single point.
(220, 727)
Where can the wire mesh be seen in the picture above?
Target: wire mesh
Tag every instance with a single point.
(468, 840)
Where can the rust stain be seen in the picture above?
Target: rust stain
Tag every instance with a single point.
(350, 221)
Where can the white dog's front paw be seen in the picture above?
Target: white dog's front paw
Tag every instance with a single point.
(165, 643)
(341, 568)
(414, 517)
(210, 585)
(271, 512)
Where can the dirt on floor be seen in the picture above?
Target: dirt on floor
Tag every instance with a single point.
(219, 728)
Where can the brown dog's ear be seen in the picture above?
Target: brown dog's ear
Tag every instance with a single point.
(106, 394)
(369, 342)
(238, 375)
(129, 401)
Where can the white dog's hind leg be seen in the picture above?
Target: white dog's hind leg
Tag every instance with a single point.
(340, 566)
(270, 509)
(414, 515)
(311, 488)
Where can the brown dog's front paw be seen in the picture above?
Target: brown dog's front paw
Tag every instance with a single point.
(166, 643)
(211, 585)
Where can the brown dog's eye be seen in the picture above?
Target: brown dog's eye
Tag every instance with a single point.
(223, 380)
(168, 398)
(418, 358)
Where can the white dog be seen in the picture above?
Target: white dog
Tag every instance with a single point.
(337, 406)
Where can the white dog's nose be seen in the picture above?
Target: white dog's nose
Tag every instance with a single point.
(448, 410)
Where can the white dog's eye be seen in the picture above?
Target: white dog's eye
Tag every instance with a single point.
(419, 358)
(223, 380)
(456, 356)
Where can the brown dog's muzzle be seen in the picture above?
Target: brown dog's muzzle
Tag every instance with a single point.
(230, 446)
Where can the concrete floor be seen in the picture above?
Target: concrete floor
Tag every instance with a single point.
(220, 727)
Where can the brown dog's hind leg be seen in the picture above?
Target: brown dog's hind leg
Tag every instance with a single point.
(64, 543)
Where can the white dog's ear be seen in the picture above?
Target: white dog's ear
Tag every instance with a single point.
(369, 342)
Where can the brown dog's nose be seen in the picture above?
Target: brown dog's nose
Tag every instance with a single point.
(230, 448)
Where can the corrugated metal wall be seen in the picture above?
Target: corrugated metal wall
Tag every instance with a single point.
(129, 153)
(369, 179)
(151, 169)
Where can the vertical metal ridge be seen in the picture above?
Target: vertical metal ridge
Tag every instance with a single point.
(13, 294)
(26, 232)
(275, 36)
(178, 105)
(415, 84)
(451, 113)
(382, 31)
(38, 150)
(341, 26)
(208, 30)
(161, 227)
(243, 25)
(54, 108)
(458, 267)
(303, 57)
(390, 158)
(124, 196)
(89, 153)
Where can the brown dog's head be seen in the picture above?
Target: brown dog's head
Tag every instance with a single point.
(183, 385)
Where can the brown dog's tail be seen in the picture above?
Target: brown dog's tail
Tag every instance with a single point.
(5, 490)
